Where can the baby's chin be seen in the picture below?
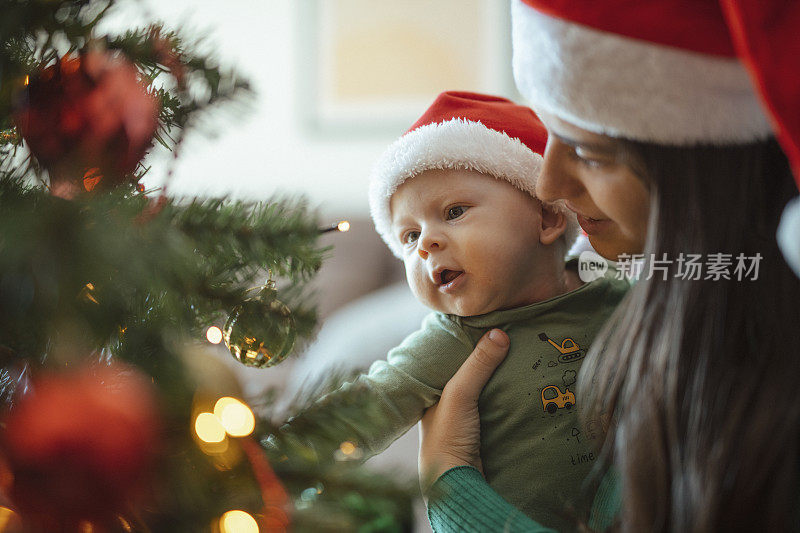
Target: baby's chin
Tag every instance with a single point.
(461, 305)
(461, 308)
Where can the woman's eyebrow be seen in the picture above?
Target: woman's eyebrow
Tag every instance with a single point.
(608, 148)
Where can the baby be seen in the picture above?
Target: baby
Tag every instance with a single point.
(453, 198)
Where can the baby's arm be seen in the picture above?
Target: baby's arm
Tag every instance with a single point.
(378, 407)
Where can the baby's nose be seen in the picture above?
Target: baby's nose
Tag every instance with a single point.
(430, 242)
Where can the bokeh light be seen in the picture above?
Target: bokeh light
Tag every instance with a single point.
(209, 428)
(214, 335)
(348, 451)
(7, 518)
(237, 419)
(126, 526)
(344, 225)
(237, 522)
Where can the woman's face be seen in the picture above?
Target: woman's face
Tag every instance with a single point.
(588, 171)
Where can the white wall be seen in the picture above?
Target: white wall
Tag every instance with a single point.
(265, 149)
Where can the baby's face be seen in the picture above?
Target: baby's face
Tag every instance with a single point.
(469, 241)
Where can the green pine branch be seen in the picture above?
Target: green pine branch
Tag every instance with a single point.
(198, 84)
(115, 274)
(116, 260)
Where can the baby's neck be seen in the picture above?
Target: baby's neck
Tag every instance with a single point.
(539, 292)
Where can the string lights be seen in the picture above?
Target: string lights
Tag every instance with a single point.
(342, 226)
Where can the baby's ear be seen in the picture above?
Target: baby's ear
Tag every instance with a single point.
(554, 223)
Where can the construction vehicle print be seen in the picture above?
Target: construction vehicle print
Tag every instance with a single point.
(553, 399)
(568, 349)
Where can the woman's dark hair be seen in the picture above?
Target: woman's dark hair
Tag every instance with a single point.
(702, 376)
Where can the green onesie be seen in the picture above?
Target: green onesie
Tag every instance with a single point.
(534, 450)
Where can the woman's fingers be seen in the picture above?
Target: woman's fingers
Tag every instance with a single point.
(450, 432)
(469, 380)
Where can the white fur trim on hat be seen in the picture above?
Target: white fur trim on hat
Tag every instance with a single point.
(456, 143)
(789, 234)
(625, 87)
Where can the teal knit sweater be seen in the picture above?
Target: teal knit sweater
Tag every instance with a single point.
(462, 502)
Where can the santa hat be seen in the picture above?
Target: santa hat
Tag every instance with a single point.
(463, 130)
(668, 71)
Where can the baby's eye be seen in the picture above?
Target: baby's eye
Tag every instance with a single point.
(456, 211)
(410, 237)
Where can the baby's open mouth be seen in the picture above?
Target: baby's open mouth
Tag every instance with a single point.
(446, 276)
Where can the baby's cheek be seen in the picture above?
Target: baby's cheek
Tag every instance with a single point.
(415, 281)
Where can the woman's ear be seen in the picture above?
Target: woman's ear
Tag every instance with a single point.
(554, 223)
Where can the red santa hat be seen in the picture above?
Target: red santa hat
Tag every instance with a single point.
(463, 130)
(668, 71)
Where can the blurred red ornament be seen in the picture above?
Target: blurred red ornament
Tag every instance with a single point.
(80, 446)
(275, 517)
(152, 210)
(87, 116)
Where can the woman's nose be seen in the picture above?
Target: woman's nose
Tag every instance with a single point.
(556, 181)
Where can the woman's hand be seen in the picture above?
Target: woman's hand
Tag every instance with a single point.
(450, 433)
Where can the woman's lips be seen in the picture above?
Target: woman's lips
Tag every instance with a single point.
(592, 226)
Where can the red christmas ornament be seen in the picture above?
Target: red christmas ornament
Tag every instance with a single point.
(88, 120)
(80, 446)
(151, 211)
(275, 515)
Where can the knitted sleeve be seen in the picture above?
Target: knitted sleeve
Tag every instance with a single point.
(462, 501)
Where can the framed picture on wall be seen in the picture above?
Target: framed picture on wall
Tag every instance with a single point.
(368, 67)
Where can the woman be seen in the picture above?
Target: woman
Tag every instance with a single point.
(698, 376)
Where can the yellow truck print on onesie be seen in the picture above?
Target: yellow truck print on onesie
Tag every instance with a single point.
(569, 349)
(553, 399)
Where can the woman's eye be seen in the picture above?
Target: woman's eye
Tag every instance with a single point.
(410, 237)
(582, 158)
(455, 212)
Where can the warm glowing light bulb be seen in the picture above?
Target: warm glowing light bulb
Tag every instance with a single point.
(237, 522)
(209, 428)
(237, 419)
(214, 335)
(343, 226)
(125, 524)
(347, 447)
(6, 516)
(27, 80)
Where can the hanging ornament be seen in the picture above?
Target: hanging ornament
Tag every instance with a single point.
(88, 120)
(260, 332)
(81, 445)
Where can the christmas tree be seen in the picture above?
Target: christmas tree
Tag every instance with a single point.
(114, 417)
